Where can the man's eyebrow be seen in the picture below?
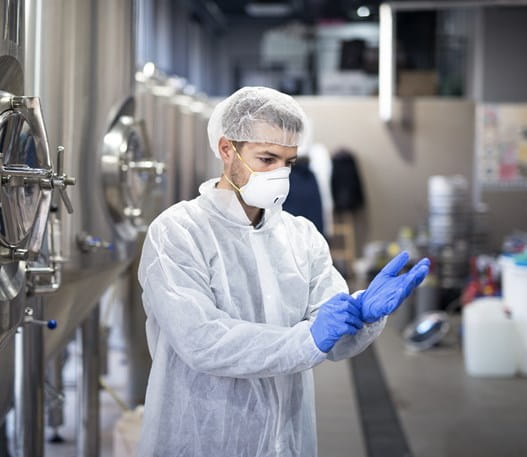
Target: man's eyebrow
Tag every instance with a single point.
(276, 156)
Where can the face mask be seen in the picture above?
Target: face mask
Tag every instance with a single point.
(265, 189)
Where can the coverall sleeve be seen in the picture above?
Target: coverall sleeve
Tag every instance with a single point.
(177, 295)
(326, 282)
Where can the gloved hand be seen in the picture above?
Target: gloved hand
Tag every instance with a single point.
(335, 318)
(388, 290)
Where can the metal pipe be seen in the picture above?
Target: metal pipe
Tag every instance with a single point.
(451, 4)
(29, 386)
(88, 433)
(134, 323)
(55, 407)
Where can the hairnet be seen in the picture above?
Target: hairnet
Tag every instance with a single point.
(257, 115)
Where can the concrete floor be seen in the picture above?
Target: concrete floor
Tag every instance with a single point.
(447, 413)
(443, 411)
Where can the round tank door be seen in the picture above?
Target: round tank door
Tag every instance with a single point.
(129, 174)
(26, 178)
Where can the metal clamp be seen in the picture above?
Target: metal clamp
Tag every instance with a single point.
(158, 169)
(48, 279)
(152, 167)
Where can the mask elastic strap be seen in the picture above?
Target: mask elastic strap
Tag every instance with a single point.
(240, 157)
(231, 183)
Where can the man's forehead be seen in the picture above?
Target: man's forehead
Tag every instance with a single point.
(285, 152)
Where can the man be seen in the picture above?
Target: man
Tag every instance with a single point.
(242, 299)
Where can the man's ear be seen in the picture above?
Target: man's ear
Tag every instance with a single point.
(225, 148)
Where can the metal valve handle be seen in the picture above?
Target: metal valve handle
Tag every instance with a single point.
(151, 166)
(61, 180)
(29, 319)
(46, 178)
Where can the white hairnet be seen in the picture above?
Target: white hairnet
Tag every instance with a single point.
(257, 115)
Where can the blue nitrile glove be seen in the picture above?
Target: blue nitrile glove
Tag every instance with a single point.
(335, 318)
(388, 290)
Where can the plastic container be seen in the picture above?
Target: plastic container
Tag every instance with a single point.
(505, 261)
(514, 285)
(490, 344)
(521, 345)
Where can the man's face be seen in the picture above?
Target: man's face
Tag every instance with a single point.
(258, 157)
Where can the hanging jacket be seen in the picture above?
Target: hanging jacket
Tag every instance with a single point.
(346, 185)
(304, 195)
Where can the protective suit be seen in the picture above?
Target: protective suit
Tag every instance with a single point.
(229, 308)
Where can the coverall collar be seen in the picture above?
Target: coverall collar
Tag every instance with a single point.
(227, 204)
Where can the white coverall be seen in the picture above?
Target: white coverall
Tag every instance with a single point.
(229, 309)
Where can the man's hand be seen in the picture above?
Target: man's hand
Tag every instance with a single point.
(388, 290)
(336, 317)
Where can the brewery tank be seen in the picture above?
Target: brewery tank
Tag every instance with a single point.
(84, 58)
(11, 273)
(26, 182)
(176, 121)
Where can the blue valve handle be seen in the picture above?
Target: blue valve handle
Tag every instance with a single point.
(51, 324)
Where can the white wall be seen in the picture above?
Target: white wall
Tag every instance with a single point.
(429, 136)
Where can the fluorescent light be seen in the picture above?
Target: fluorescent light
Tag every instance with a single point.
(268, 9)
(363, 11)
(386, 62)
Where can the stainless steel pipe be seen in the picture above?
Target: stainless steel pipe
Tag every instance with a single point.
(29, 385)
(88, 427)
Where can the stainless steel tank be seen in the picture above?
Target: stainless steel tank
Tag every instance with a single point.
(176, 121)
(83, 71)
(26, 183)
(12, 279)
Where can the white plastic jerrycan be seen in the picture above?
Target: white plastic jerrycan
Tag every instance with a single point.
(489, 339)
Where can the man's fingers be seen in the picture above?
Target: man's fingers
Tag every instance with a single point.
(341, 296)
(352, 329)
(394, 266)
(339, 305)
(422, 262)
(355, 321)
(415, 277)
(353, 309)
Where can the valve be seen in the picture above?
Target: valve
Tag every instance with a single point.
(61, 180)
(29, 319)
(88, 243)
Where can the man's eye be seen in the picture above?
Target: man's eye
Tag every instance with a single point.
(266, 160)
